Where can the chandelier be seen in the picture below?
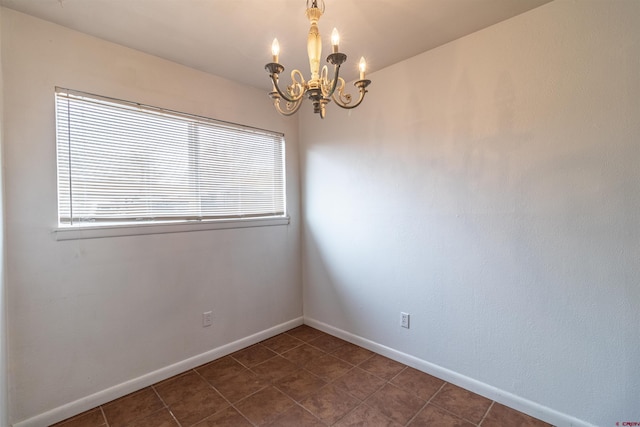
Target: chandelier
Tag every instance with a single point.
(319, 89)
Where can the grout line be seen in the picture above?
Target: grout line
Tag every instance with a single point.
(165, 403)
(251, 346)
(360, 403)
(487, 413)
(426, 403)
(244, 416)
(417, 412)
(444, 383)
(231, 405)
(152, 387)
(310, 413)
(213, 388)
(174, 418)
(401, 371)
(203, 378)
(104, 416)
(455, 415)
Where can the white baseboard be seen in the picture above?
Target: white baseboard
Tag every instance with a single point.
(516, 402)
(100, 398)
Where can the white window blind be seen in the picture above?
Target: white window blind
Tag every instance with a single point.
(123, 162)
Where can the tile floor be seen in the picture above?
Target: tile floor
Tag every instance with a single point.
(301, 378)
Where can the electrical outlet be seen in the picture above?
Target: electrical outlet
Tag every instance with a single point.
(207, 318)
(404, 320)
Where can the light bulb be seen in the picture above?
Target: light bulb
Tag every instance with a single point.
(275, 50)
(363, 67)
(335, 40)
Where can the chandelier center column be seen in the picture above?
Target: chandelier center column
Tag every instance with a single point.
(314, 46)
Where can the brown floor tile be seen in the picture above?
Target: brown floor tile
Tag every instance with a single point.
(461, 402)
(434, 416)
(241, 385)
(264, 406)
(352, 353)
(198, 407)
(366, 416)
(181, 387)
(500, 415)
(161, 418)
(396, 403)
(305, 333)
(303, 354)
(253, 355)
(92, 418)
(329, 404)
(221, 369)
(300, 384)
(327, 343)
(281, 343)
(132, 407)
(274, 369)
(419, 383)
(328, 367)
(297, 416)
(382, 366)
(359, 383)
(226, 418)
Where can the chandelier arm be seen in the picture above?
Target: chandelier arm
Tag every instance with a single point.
(340, 97)
(334, 82)
(337, 59)
(347, 106)
(362, 90)
(289, 111)
(285, 97)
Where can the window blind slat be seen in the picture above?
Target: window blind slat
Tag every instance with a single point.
(123, 162)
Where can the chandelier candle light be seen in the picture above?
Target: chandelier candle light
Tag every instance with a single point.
(319, 89)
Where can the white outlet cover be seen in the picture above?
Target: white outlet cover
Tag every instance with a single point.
(404, 320)
(207, 318)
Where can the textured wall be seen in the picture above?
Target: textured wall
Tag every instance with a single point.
(86, 315)
(4, 411)
(490, 188)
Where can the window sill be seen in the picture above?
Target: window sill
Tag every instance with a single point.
(100, 231)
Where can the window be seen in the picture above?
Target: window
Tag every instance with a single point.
(120, 162)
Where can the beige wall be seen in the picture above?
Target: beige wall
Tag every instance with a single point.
(4, 410)
(87, 315)
(490, 188)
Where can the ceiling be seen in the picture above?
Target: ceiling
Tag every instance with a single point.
(232, 38)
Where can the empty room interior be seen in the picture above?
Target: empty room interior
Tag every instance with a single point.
(470, 232)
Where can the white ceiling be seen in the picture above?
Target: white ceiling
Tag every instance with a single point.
(232, 38)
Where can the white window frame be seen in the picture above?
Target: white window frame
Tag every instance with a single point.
(151, 225)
